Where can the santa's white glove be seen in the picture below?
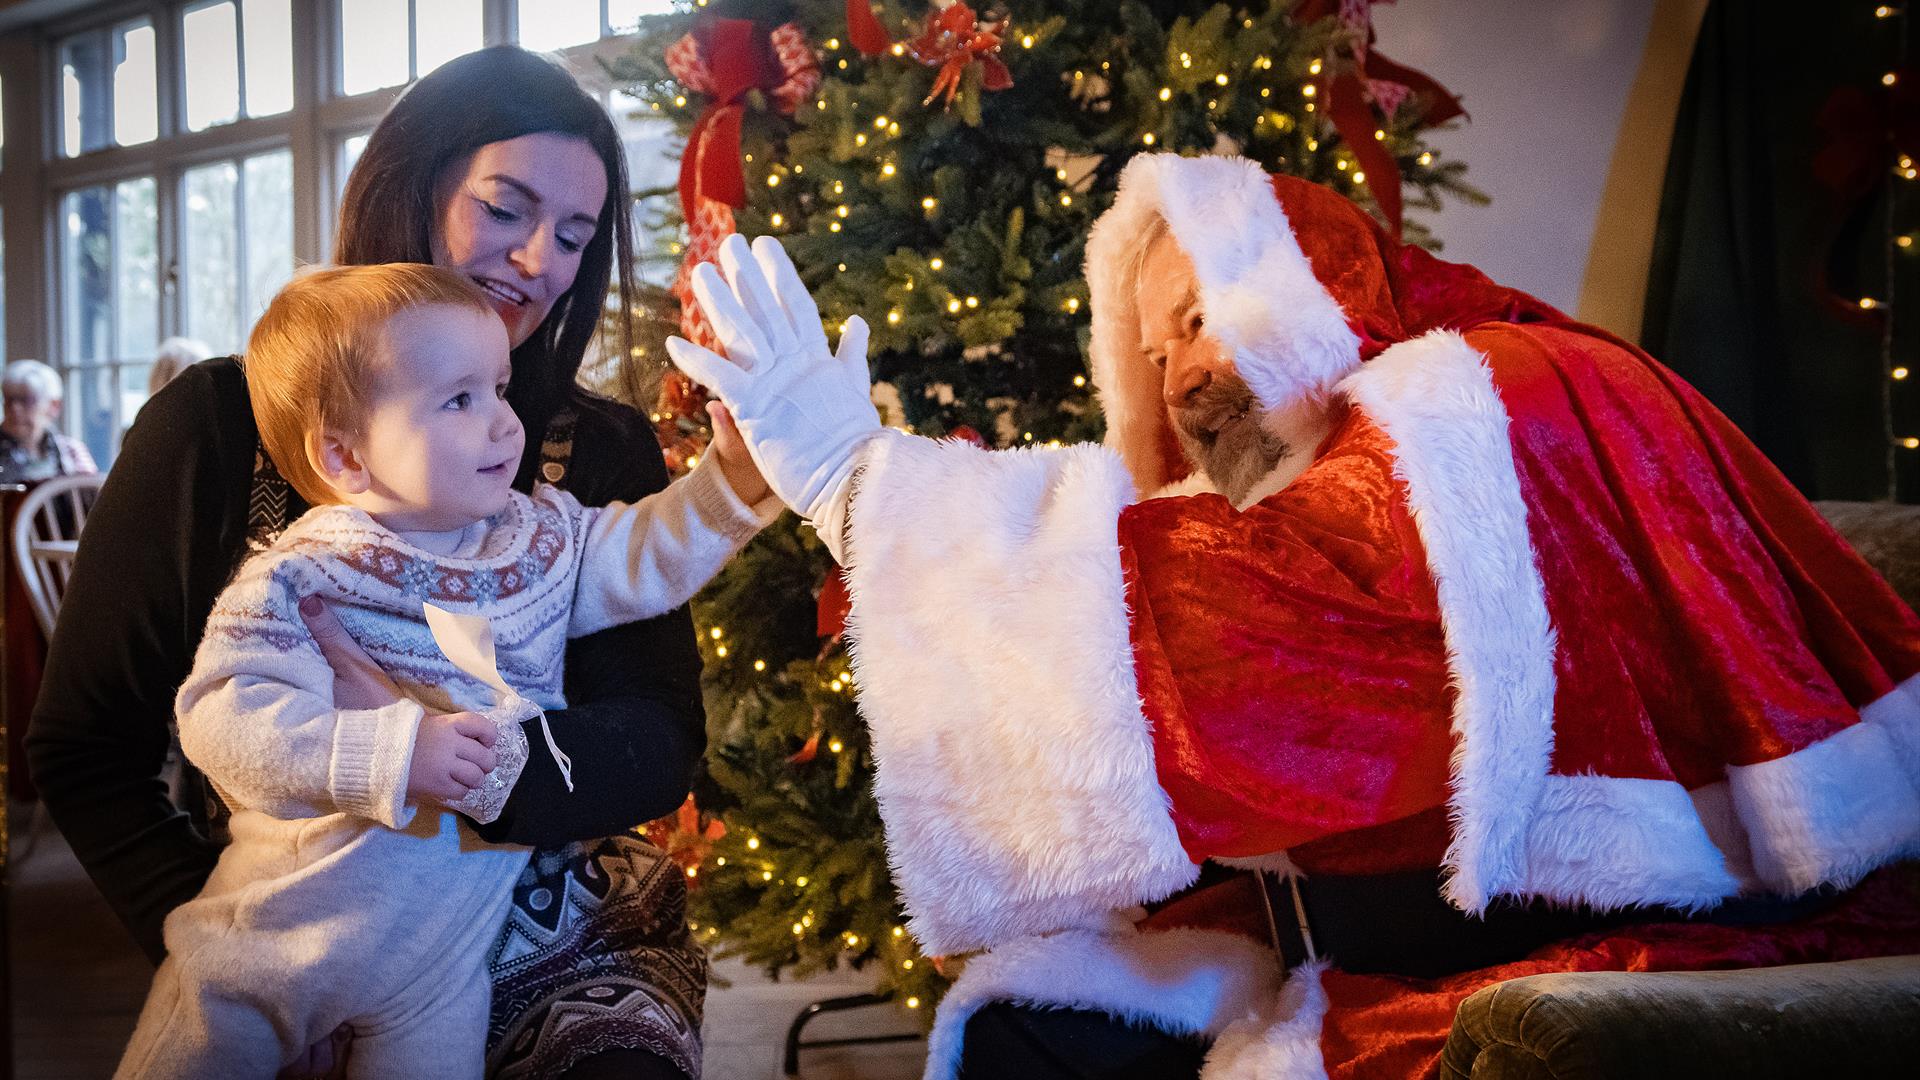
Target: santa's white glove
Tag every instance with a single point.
(804, 411)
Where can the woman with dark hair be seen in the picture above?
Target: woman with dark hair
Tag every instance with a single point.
(498, 165)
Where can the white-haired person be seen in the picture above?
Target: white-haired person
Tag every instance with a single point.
(31, 449)
(175, 355)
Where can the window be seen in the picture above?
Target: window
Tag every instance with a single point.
(391, 42)
(107, 88)
(109, 289)
(237, 244)
(190, 167)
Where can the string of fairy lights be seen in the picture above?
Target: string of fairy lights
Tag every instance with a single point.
(1895, 243)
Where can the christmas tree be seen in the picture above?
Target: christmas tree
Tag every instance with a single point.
(936, 170)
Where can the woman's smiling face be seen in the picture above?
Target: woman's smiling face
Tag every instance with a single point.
(515, 216)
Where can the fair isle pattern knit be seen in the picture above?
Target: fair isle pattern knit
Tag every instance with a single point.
(520, 577)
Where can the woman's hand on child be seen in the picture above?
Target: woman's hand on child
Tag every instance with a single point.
(358, 682)
(729, 452)
(452, 755)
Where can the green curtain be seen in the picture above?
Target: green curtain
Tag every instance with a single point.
(1759, 262)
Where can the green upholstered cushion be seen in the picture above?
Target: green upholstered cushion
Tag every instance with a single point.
(1858, 1018)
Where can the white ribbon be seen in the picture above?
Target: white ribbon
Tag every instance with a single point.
(467, 641)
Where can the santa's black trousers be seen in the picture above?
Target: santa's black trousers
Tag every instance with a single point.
(1012, 1042)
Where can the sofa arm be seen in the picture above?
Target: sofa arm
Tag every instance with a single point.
(1887, 535)
(1853, 1018)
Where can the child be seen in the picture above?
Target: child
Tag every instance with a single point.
(350, 894)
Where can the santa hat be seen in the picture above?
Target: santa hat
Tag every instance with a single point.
(1295, 280)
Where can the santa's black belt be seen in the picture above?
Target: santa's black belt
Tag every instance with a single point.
(1399, 924)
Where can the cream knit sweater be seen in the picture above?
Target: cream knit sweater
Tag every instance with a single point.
(336, 894)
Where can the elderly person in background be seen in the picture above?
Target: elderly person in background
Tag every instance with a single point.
(176, 355)
(30, 449)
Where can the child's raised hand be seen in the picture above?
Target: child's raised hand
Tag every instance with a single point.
(452, 755)
(729, 451)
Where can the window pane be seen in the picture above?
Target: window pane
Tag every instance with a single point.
(652, 146)
(546, 25)
(133, 393)
(136, 115)
(624, 15)
(350, 150)
(445, 29)
(269, 46)
(86, 275)
(212, 64)
(84, 105)
(88, 410)
(211, 279)
(373, 45)
(269, 232)
(136, 269)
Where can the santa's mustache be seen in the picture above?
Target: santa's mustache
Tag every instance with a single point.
(1223, 401)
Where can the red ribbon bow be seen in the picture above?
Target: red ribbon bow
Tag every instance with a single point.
(1368, 80)
(723, 59)
(953, 39)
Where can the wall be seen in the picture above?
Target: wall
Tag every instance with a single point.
(1572, 104)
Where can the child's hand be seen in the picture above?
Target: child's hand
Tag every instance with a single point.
(729, 451)
(452, 755)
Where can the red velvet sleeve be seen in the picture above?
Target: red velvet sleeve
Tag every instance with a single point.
(1290, 657)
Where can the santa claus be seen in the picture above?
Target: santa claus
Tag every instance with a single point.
(1484, 629)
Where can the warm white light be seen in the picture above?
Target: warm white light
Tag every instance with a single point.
(928, 203)
(836, 746)
(893, 317)
(1165, 93)
(777, 220)
(800, 882)
(973, 301)
(753, 843)
(1313, 68)
(1147, 138)
(953, 307)
(860, 139)
(1221, 78)
(1079, 380)
(759, 665)
(1900, 373)
(1027, 42)
(1309, 90)
(887, 169)
(937, 262)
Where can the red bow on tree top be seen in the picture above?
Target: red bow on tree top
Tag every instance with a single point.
(1357, 84)
(724, 59)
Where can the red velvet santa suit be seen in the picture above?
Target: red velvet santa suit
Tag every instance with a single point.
(1535, 613)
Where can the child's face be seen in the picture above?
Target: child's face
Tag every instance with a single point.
(440, 446)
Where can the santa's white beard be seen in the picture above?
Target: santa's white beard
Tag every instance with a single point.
(1240, 452)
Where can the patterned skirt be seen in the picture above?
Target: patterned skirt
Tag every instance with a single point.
(595, 956)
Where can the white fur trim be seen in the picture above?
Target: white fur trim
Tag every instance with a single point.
(990, 639)
(1279, 1042)
(1289, 338)
(1828, 813)
(1614, 842)
(1185, 982)
(1434, 397)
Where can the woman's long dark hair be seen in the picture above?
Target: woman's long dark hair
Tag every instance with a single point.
(388, 211)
